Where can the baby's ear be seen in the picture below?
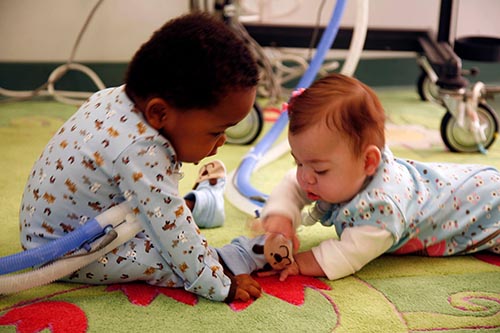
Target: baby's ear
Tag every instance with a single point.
(155, 112)
(372, 159)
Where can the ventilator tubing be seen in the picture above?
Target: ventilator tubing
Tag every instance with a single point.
(14, 283)
(240, 180)
(51, 250)
(118, 219)
(59, 247)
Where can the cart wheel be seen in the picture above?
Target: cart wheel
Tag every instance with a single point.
(428, 90)
(247, 130)
(458, 139)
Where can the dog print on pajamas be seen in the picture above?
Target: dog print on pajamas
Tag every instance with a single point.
(106, 153)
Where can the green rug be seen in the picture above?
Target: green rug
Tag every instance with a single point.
(391, 294)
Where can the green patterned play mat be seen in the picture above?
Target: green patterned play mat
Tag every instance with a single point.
(391, 294)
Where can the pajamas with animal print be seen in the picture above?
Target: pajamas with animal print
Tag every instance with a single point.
(107, 153)
(435, 209)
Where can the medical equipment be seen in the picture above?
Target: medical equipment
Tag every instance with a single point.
(118, 224)
(248, 129)
(87, 244)
(469, 124)
(239, 191)
(244, 133)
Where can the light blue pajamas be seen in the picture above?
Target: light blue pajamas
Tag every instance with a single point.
(106, 153)
(434, 209)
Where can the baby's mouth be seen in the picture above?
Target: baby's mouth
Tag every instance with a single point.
(312, 196)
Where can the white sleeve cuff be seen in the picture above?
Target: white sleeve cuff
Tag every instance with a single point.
(357, 247)
(287, 199)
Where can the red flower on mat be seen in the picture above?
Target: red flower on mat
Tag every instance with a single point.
(143, 294)
(413, 245)
(416, 246)
(291, 290)
(436, 250)
(58, 317)
(490, 258)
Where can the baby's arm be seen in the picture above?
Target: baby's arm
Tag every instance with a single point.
(243, 286)
(278, 224)
(339, 258)
(282, 212)
(149, 181)
(304, 264)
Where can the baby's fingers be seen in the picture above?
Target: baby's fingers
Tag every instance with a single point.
(283, 275)
(293, 269)
(254, 291)
(248, 284)
(241, 295)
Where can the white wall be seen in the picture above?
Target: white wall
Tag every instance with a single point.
(34, 30)
(478, 17)
(45, 31)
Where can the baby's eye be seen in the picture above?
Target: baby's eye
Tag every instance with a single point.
(320, 172)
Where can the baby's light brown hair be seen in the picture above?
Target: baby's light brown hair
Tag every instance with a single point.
(346, 105)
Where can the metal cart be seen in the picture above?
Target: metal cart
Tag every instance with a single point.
(469, 124)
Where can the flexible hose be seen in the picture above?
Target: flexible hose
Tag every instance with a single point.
(248, 163)
(73, 241)
(73, 99)
(234, 195)
(51, 250)
(115, 215)
(358, 38)
(13, 283)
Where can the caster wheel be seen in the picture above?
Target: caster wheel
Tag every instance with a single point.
(428, 90)
(247, 130)
(458, 139)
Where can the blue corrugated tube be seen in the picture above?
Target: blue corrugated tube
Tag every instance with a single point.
(51, 250)
(91, 241)
(247, 165)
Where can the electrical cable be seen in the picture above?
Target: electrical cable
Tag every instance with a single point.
(47, 89)
(316, 29)
(272, 85)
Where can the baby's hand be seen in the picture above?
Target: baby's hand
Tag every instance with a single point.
(246, 288)
(282, 225)
(292, 269)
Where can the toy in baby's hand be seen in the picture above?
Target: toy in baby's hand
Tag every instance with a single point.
(277, 250)
(269, 253)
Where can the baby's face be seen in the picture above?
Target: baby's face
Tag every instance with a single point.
(327, 168)
(198, 133)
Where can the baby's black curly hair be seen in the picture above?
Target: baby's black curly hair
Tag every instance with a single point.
(191, 62)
